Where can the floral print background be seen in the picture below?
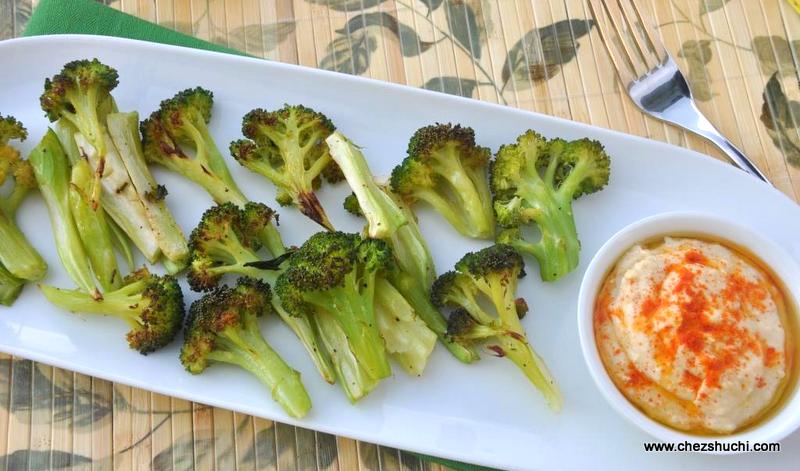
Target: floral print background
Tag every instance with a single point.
(740, 56)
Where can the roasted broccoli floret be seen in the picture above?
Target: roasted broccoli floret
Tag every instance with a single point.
(81, 94)
(391, 220)
(17, 256)
(151, 304)
(287, 146)
(447, 170)
(51, 169)
(223, 327)
(336, 272)
(178, 129)
(489, 278)
(80, 99)
(534, 182)
(226, 241)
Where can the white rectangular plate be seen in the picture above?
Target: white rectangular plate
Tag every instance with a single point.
(485, 413)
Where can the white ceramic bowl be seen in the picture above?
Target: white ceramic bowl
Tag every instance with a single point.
(776, 427)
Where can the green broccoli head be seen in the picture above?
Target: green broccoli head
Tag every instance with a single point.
(447, 169)
(224, 309)
(225, 241)
(185, 113)
(160, 309)
(323, 262)
(492, 272)
(462, 327)
(351, 205)
(287, 146)
(336, 273)
(151, 304)
(534, 181)
(180, 128)
(13, 166)
(482, 292)
(497, 260)
(81, 94)
(11, 129)
(223, 327)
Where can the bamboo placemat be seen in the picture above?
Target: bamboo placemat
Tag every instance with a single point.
(741, 57)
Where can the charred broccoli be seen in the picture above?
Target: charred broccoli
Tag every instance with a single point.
(18, 257)
(288, 147)
(390, 220)
(152, 305)
(178, 129)
(535, 181)
(489, 277)
(447, 170)
(226, 241)
(223, 327)
(80, 99)
(336, 273)
(81, 94)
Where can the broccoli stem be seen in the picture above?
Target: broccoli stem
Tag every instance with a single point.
(353, 307)
(247, 349)
(310, 206)
(522, 354)
(85, 117)
(408, 339)
(475, 205)
(272, 240)
(304, 330)
(513, 341)
(383, 216)
(197, 171)
(124, 303)
(13, 200)
(92, 228)
(412, 254)
(352, 377)
(558, 250)
(10, 287)
(16, 252)
(119, 197)
(210, 154)
(66, 131)
(51, 168)
(122, 243)
(124, 131)
(417, 296)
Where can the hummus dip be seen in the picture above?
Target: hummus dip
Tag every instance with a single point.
(694, 334)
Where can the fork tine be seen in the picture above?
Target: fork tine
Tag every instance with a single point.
(617, 20)
(635, 33)
(650, 45)
(625, 70)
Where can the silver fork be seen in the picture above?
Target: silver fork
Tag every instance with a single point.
(653, 80)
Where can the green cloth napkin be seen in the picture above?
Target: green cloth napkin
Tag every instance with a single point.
(91, 17)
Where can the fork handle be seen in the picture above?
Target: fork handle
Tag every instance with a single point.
(736, 156)
(707, 130)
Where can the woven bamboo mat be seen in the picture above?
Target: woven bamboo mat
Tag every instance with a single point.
(741, 57)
